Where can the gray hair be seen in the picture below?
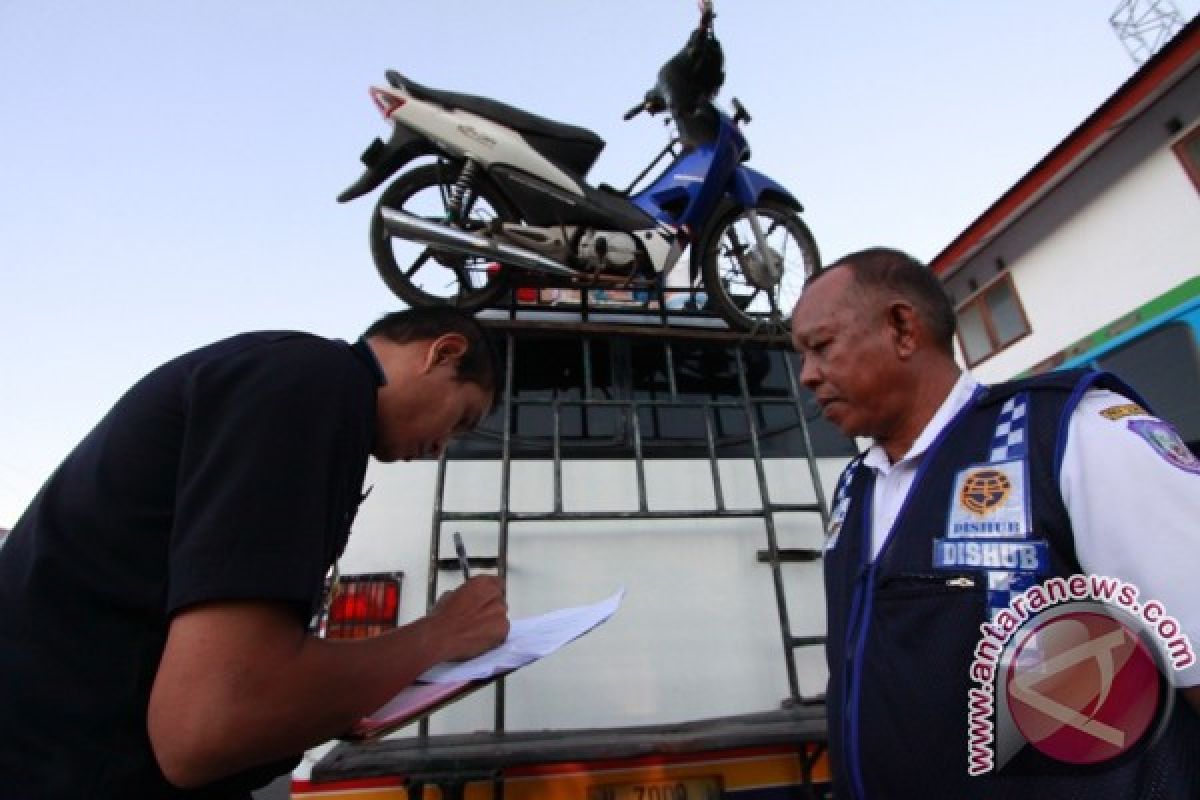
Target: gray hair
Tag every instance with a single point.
(895, 272)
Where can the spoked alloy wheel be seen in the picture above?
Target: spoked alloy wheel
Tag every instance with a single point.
(750, 292)
(422, 275)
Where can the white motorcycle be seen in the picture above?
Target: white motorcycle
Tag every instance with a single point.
(501, 201)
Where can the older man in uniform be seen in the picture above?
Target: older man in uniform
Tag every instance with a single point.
(968, 499)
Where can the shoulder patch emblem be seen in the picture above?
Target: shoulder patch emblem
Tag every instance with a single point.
(1124, 410)
(1167, 443)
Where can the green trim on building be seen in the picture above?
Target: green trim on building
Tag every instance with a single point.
(1163, 304)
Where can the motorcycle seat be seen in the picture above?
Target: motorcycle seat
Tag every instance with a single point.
(577, 147)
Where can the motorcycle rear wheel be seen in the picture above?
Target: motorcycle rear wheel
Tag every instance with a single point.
(422, 275)
(748, 294)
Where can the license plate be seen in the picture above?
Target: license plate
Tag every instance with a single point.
(682, 789)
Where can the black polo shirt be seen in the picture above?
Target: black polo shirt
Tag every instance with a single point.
(229, 473)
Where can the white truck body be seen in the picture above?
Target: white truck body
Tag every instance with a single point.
(698, 635)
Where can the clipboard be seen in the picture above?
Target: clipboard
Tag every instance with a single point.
(412, 704)
(529, 640)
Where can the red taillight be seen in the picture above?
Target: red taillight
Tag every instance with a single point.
(527, 294)
(385, 101)
(364, 606)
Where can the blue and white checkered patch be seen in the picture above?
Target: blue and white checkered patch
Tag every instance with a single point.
(841, 504)
(1003, 586)
(1008, 442)
(842, 491)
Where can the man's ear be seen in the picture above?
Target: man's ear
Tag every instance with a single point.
(903, 323)
(446, 350)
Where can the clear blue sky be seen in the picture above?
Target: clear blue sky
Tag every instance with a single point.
(168, 169)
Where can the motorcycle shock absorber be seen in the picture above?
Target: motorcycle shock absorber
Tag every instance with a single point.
(454, 206)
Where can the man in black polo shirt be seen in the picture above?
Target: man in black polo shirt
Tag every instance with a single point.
(154, 597)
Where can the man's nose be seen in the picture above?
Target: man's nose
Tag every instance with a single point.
(810, 376)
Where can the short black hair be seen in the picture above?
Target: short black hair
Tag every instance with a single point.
(479, 365)
(887, 269)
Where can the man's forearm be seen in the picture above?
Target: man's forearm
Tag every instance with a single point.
(213, 716)
(240, 684)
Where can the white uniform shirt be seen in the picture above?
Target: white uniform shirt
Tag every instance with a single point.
(1134, 512)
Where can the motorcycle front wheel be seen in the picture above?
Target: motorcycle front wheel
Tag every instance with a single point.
(423, 275)
(752, 293)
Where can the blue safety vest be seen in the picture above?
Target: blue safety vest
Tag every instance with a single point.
(902, 630)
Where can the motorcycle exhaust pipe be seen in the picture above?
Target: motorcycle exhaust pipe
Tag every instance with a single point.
(407, 226)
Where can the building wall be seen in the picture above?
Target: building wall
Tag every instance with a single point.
(1133, 240)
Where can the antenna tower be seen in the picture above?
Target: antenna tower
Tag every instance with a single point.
(1144, 26)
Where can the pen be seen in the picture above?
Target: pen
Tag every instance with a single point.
(462, 555)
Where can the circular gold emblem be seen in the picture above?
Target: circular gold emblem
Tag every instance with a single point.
(984, 490)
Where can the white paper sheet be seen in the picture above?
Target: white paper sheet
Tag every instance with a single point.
(528, 640)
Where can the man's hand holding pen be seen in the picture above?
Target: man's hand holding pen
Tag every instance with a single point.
(471, 619)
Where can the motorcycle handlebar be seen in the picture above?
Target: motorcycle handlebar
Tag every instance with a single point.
(652, 102)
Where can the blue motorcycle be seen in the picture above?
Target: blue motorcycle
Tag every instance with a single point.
(497, 199)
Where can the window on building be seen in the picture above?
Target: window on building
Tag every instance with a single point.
(991, 320)
(1188, 151)
(1164, 366)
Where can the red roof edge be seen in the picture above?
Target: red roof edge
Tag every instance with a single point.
(1153, 76)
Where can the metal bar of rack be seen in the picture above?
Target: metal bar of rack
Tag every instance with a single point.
(629, 431)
